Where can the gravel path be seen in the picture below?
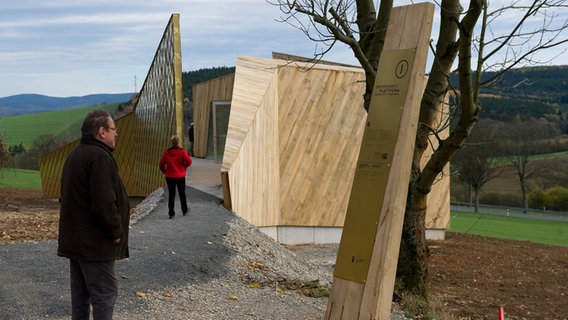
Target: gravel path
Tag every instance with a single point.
(209, 264)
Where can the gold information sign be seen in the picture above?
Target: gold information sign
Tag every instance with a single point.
(373, 166)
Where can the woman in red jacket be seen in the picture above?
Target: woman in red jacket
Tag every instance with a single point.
(173, 164)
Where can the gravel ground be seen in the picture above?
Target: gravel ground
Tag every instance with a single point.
(209, 264)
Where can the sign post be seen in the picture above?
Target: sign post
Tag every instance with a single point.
(365, 269)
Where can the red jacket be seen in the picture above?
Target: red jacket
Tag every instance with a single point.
(174, 162)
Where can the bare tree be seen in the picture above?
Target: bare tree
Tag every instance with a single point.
(41, 145)
(4, 153)
(522, 139)
(476, 161)
(464, 40)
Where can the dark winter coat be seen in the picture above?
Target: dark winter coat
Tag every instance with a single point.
(94, 205)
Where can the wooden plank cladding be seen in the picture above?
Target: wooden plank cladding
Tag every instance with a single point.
(321, 125)
(292, 143)
(251, 149)
(438, 210)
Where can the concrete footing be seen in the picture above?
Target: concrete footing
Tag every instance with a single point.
(295, 235)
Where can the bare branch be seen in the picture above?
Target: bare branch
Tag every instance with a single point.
(519, 46)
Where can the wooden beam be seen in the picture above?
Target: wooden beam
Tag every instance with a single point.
(366, 263)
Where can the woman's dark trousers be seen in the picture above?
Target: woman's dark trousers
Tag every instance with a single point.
(178, 183)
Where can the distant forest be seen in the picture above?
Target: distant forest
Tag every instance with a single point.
(533, 92)
(191, 78)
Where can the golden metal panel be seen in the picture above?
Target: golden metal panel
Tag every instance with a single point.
(143, 134)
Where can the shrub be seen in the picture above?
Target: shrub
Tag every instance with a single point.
(4, 153)
(536, 199)
(556, 199)
(507, 199)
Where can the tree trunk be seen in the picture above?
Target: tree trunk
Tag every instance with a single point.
(373, 33)
(525, 196)
(412, 269)
(476, 193)
(413, 256)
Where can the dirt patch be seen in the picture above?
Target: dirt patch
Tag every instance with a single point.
(26, 216)
(471, 276)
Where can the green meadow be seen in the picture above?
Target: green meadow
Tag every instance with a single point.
(62, 123)
(524, 229)
(19, 178)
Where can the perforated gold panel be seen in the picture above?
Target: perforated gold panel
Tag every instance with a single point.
(143, 134)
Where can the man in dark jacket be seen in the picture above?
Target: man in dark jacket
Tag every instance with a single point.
(94, 218)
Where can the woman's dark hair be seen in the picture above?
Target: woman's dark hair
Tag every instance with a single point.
(93, 121)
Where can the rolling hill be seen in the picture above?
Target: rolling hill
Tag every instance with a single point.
(66, 124)
(35, 103)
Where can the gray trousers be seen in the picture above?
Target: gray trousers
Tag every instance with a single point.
(93, 284)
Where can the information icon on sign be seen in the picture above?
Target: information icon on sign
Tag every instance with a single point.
(401, 69)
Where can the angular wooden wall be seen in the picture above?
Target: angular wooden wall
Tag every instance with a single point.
(251, 158)
(293, 140)
(321, 121)
(438, 212)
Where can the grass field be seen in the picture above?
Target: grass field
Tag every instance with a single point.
(525, 229)
(27, 127)
(19, 178)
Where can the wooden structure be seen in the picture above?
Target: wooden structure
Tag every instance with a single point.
(294, 132)
(143, 134)
(204, 95)
(437, 218)
(365, 270)
(292, 144)
(318, 125)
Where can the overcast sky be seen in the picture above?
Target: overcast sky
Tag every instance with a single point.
(72, 48)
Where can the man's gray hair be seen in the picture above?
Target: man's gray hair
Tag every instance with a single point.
(93, 121)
